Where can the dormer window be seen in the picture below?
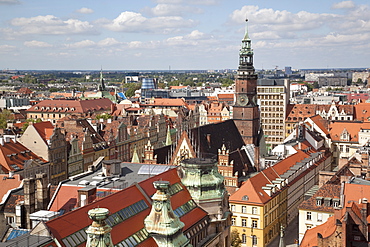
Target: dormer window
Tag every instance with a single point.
(345, 136)
(36, 107)
(318, 201)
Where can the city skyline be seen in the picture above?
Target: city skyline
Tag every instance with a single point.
(178, 34)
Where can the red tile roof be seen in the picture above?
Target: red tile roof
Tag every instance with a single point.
(45, 129)
(353, 128)
(14, 154)
(76, 220)
(7, 183)
(362, 112)
(253, 186)
(326, 229)
(72, 106)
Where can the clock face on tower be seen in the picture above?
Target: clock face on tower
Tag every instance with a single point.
(242, 100)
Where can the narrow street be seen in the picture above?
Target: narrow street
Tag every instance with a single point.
(291, 234)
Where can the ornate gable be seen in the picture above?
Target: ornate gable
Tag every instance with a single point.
(184, 150)
(345, 136)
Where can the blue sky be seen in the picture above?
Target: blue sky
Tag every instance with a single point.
(182, 34)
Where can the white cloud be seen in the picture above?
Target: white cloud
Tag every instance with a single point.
(172, 10)
(7, 48)
(85, 11)
(344, 5)
(9, 2)
(109, 42)
(136, 22)
(195, 2)
(61, 54)
(35, 43)
(50, 24)
(81, 44)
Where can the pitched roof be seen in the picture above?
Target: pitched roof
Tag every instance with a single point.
(326, 229)
(252, 188)
(45, 129)
(299, 112)
(24, 90)
(353, 128)
(169, 102)
(13, 156)
(66, 225)
(321, 123)
(7, 184)
(327, 190)
(362, 112)
(72, 106)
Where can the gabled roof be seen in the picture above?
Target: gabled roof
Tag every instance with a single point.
(13, 156)
(45, 129)
(327, 190)
(362, 112)
(321, 123)
(63, 227)
(252, 188)
(7, 184)
(24, 90)
(300, 112)
(353, 128)
(168, 102)
(326, 230)
(72, 106)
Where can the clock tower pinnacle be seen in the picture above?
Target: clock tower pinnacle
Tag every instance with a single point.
(245, 112)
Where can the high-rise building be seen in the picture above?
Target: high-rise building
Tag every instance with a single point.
(245, 112)
(273, 97)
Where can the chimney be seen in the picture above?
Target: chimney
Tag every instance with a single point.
(86, 195)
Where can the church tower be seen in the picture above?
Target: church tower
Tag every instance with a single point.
(245, 112)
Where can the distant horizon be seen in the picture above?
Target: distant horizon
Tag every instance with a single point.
(177, 70)
(182, 35)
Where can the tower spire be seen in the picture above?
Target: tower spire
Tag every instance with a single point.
(246, 54)
(101, 86)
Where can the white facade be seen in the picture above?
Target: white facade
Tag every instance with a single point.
(310, 219)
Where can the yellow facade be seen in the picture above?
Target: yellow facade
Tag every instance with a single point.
(258, 225)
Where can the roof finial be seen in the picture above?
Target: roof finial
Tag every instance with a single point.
(246, 36)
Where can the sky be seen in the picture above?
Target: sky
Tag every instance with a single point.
(182, 34)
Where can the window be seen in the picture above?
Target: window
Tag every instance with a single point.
(254, 223)
(10, 219)
(309, 216)
(318, 201)
(308, 226)
(254, 240)
(319, 217)
(254, 210)
(244, 209)
(232, 208)
(244, 222)
(244, 238)
(233, 221)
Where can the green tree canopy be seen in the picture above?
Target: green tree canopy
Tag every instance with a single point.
(235, 238)
(5, 117)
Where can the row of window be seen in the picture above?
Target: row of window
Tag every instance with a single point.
(244, 223)
(253, 237)
(244, 209)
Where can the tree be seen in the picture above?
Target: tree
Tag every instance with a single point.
(5, 116)
(235, 239)
(25, 125)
